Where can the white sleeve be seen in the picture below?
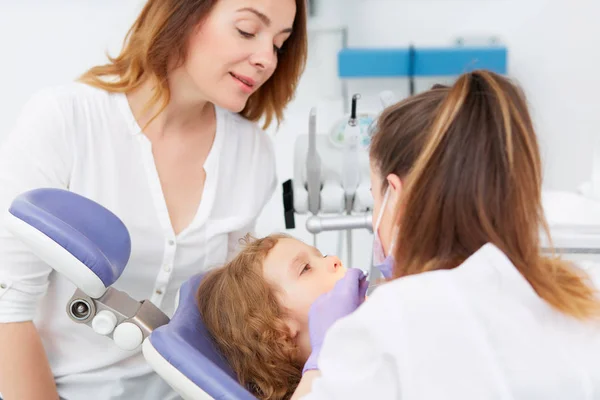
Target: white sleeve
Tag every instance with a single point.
(35, 154)
(266, 175)
(352, 363)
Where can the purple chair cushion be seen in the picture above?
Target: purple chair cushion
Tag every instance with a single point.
(186, 344)
(87, 230)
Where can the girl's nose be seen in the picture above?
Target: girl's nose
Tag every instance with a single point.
(334, 264)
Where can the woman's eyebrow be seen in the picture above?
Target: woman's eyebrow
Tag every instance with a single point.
(263, 17)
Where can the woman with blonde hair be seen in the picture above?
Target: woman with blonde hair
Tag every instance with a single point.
(166, 136)
(474, 309)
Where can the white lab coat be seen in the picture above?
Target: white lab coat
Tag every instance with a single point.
(478, 331)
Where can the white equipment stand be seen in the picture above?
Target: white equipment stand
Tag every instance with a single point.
(331, 175)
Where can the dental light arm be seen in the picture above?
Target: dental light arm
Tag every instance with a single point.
(317, 224)
(313, 168)
(313, 165)
(350, 167)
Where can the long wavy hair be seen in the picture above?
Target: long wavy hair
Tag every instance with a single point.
(470, 163)
(160, 34)
(241, 311)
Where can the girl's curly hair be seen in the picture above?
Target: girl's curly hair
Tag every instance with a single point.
(246, 321)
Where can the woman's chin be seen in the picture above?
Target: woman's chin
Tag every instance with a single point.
(232, 103)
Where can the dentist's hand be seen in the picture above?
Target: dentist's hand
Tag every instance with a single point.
(347, 294)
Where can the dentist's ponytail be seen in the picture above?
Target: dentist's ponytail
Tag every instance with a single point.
(477, 179)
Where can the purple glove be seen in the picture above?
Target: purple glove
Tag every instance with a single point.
(345, 297)
(386, 267)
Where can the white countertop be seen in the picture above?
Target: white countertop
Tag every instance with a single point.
(574, 220)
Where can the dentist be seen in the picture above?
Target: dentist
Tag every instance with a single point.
(165, 135)
(473, 309)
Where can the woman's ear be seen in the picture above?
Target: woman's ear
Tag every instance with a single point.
(395, 184)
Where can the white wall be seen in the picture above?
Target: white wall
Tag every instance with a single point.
(554, 52)
(49, 42)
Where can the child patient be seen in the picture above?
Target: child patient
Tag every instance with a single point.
(256, 309)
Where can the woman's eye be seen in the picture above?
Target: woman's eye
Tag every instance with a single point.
(245, 34)
(305, 269)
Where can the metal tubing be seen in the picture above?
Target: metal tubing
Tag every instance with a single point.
(316, 224)
(573, 250)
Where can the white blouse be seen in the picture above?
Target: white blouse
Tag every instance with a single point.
(87, 140)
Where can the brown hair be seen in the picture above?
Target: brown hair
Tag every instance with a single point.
(161, 32)
(241, 311)
(472, 171)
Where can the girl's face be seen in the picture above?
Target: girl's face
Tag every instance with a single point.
(234, 51)
(301, 273)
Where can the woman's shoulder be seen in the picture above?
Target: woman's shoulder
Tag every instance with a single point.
(58, 105)
(70, 91)
(71, 98)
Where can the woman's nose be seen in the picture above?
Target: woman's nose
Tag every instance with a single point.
(265, 58)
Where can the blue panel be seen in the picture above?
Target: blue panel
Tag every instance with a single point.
(394, 62)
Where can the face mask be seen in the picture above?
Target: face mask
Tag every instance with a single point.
(379, 256)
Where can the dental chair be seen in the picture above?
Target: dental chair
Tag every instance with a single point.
(91, 246)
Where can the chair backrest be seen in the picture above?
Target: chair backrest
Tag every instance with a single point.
(186, 344)
(76, 236)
